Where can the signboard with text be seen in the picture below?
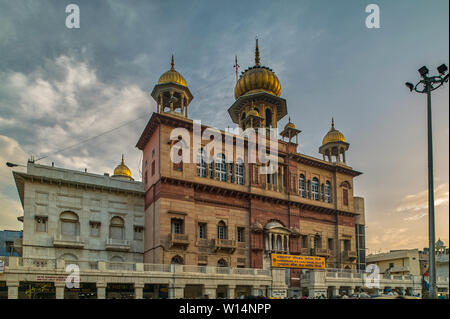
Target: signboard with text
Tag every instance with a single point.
(296, 261)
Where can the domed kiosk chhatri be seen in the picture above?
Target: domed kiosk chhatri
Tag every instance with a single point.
(259, 89)
(172, 94)
(334, 144)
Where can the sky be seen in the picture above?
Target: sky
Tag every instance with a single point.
(61, 86)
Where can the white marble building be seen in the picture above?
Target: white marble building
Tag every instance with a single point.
(79, 216)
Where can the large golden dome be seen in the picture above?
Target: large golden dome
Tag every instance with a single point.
(333, 135)
(172, 76)
(122, 169)
(256, 79)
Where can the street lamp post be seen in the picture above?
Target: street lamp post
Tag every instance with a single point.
(427, 85)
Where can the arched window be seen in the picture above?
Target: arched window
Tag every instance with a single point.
(201, 163)
(221, 230)
(70, 225)
(328, 192)
(177, 260)
(315, 189)
(268, 117)
(240, 171)
(68, 257)
(231, 172)
(345, 194)
(221, 168)
(302, 186)
(116, 259)
(117, 228)
(222, 263)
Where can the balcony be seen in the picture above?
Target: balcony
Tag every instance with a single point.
(117, 244)
(304, 251)
(225, 245)
(203, 242)
(65, 241)
(349, 254)
(178, 240)
(322, 252)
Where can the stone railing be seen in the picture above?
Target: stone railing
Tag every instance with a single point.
(178, 239)
(59, 264)
(65, 241)
(225, 244)
(323, 252)
(117, 244)
(349, 254)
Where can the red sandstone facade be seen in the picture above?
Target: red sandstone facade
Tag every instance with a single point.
(228, 213)
(306, 226)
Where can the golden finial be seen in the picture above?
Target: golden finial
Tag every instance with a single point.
(123, 162)
(257, 54)
(172, 64)
(332, 123)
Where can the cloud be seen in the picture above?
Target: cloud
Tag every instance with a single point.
(11, 208)
(418, 203)
(63, 103)
(10, 151)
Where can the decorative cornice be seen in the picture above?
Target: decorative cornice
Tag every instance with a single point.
(20, 178)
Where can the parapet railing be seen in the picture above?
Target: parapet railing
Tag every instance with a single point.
(60, 264)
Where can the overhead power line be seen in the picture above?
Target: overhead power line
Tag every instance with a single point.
(93, 137)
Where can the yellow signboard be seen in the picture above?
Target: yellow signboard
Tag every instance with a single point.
(295, 261)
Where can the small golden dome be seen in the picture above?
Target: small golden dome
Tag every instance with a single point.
(289, 124)
(253, 112)
(172, 76)
(333, 135)
(122, 169)
(256, 79)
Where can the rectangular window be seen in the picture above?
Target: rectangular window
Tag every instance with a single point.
(41, 224)
(9, 247)
(153, 153)
(330, 244)
(145, 178)
(153, 168)
(138, 233)
(347, 244)
(317, 241)
(202, 230)
(304, 241)
(177, 226)
(391, 265)
(95, 229)
(241, 234)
